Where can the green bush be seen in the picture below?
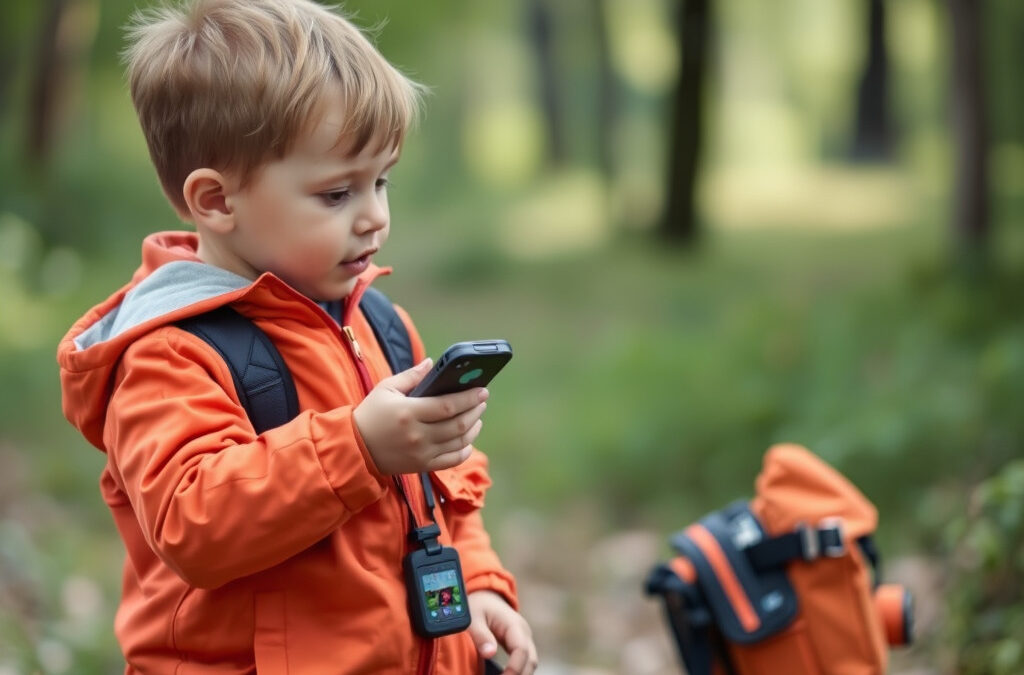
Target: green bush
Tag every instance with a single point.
(986, 597)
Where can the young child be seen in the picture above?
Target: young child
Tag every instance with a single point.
(273, 125)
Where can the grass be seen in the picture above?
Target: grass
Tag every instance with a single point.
(646, 382)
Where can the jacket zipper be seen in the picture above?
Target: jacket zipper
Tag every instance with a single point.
(364, 374)
(428, 648)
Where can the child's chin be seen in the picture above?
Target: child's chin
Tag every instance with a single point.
(334, 291)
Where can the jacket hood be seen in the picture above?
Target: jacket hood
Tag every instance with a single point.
(171, 284)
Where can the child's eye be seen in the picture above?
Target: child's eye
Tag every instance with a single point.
(383, 183)
(334, 197)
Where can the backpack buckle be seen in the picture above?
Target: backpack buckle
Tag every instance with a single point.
(832, 537)
(809, 548)
(825, 540)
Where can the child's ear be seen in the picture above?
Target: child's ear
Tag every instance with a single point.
(205, 192)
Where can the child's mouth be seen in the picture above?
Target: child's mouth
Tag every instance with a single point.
(358, 265)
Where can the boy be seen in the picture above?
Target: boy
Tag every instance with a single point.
(273, 125)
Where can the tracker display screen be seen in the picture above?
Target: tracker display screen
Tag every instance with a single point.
(443, 595)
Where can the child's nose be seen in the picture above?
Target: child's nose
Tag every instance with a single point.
(374, 214)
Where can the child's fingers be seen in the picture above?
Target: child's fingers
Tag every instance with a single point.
(456, 427)
(483, 638)
(522, 654)
(449, 459)
(438, 408)
(458, 443)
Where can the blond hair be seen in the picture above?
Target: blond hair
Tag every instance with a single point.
(231, 84)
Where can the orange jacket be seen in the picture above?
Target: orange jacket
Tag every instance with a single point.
(280, 552)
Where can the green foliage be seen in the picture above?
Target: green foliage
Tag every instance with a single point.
(646, 381)
(986, 544)
(659, 380)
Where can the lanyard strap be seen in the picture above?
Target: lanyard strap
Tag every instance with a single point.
(372, 305)
(426, 536)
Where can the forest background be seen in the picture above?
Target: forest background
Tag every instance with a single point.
(705, 226)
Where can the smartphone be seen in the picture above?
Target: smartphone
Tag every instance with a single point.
(463, 366)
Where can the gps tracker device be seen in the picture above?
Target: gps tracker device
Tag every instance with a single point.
(433, 576)
(436, 591)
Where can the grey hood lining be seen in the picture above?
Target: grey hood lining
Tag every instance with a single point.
(169, 288)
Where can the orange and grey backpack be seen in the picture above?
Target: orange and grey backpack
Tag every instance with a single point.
(787, 582)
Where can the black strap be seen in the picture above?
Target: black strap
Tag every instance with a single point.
(423, 535)
(805, 543)
(870, 551)
(264, 384)
(700, 644)
(388, 328)
(262, 380)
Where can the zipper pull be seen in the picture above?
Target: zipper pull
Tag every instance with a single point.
(351, 335)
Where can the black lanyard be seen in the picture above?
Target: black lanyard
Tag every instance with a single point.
(438, 604)
(435, 589)
(426, 536)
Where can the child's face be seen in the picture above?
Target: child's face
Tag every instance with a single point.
(315, 217)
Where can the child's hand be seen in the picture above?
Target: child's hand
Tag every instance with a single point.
(410, 435)
(494, 621)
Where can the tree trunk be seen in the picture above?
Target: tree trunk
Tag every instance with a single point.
(873, 132)
(541, 31)
(607, 93)
(47, 83)
(62, 46)
(680, 221)
(970, 212)
(9, 44)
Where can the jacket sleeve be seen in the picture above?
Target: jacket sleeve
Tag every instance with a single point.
(215, 501)
(463, 489)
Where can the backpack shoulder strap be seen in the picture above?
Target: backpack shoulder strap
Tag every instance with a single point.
(388, 328)
(262, 380)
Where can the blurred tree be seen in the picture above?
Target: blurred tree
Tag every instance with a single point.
(540, 29)
(607, 104)
(65, 38)
(970, 130)
(1003, 27)
(873, 134)
(46, 83)
(693, 26)
(9, 31)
